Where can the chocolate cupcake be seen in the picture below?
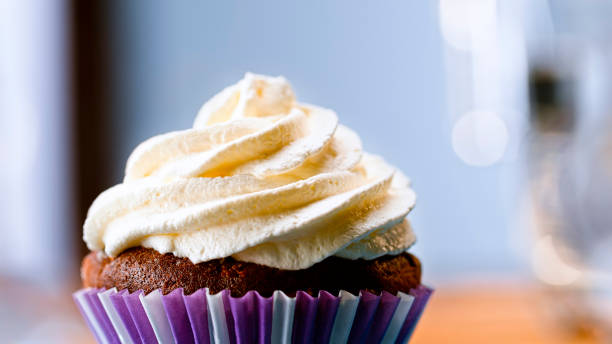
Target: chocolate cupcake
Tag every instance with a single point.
(265, 204)
(146, 269)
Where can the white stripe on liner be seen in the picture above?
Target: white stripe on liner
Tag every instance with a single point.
(344, 317)
(283, 310)
(209, 318)
(397, 321)
(114, 317)
(89, 313)
(216, 318)
(156, 313)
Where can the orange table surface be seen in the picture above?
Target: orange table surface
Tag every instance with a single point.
(493, 314)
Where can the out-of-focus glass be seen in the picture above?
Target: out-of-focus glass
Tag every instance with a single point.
(569, 161)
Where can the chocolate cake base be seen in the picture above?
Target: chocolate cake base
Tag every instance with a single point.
(146, 269)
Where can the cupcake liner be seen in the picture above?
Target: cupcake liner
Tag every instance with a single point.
(120, 317)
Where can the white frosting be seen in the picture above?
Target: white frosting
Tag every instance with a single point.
(261, 178)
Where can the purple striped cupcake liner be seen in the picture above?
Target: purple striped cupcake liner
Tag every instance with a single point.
(120, 317)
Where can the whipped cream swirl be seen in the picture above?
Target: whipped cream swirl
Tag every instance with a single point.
(261, 178)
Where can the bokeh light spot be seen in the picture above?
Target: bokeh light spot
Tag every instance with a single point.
(480, 138)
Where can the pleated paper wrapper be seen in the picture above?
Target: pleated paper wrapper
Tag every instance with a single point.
(120, 317)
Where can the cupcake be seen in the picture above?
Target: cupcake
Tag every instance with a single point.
(265, 222)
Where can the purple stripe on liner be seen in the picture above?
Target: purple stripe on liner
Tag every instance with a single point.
(229, 320)
(304, 317)
(265, 317)
(87, 319)
(326, 314)
(364, 317)
(101, 316)
(198, 315)
(177, 316)
(245, 317)
(382, 317)
(117, 299)
(139, 317)
(252, 316)
(421, 294)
